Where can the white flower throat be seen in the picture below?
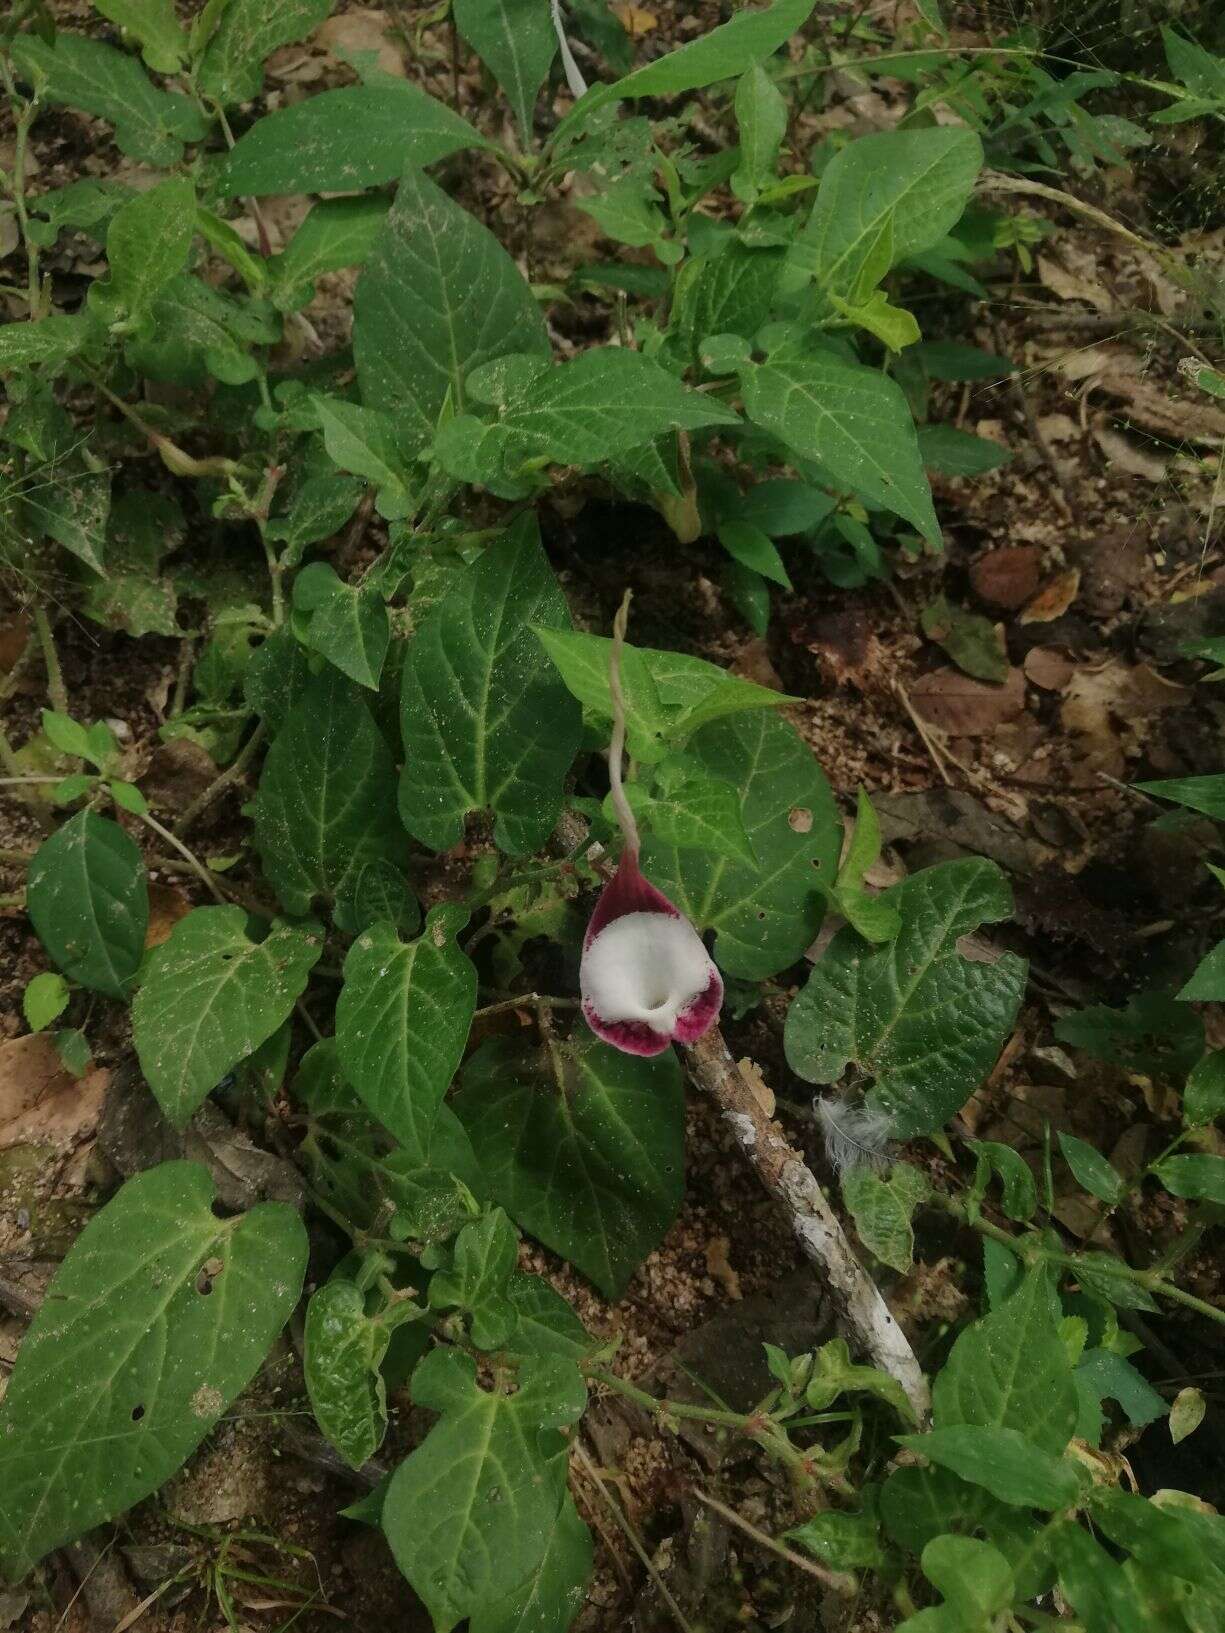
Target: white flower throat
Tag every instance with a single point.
(645, 967)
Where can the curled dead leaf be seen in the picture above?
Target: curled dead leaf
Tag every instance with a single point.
(1006, 578)
(1125, 454)
(1053, 599)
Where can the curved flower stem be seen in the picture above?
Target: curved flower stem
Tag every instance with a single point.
(616, 743)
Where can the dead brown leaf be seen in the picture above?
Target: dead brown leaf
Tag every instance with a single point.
(1047, 668)
(719, 1267)
(1126, 455)
(40, 1102)
(13, 637)
(364, 30)
(963, 707)
(1075, 281)
(1053, 599)
(635, 20)
(177, 772)
(1007, 578)
(750, 1071)
(166, 907)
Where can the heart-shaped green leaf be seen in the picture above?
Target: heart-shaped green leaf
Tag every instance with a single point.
(155, 1321)
(210, 997)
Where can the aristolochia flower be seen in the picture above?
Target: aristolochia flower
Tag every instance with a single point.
(645, 977)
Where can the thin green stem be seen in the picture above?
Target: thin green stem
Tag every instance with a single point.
(754, 1426)
(193, 861)
(56, 690)
(1033, 1250)
(226, 779)
(23, 114)
(529, 1000)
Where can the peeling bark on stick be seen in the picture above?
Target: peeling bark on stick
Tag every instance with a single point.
(861, 1309)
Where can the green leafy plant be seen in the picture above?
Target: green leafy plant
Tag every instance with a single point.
(349, 543)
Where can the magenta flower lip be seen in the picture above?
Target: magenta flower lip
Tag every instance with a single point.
(646, 978)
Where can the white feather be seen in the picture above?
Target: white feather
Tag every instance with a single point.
(574, 78)
(855, 1136)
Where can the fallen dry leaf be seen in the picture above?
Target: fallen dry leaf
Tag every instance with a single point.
(40, 1102)
(718, 1266)
(364, 30)
(1048, 668)
(166, 907)
(1053, 599)
(1080, 285)
(1125, 455)
(1058, 427)
(634, 20)
(13, 637)
(1006, 578)
(177, 772)
(1101, 705)
(963, 707)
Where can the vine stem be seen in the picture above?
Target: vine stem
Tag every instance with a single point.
(1151, 1280)
(648, 1564)
(190, 857)
(616, 743)
(56, 690)
(226, 779)
(753, 1425)
(861, 1309)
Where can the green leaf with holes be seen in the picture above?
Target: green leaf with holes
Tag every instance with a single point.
(326, 802)
(344, 1348)
(763, 915)
(925, 1021)
(210, 997)
(471, 1514)
(438, 296)
(402, 1021)
(88, 900)
(155, 1321)
(487, 723)
(591, 1165)
(882, 1206)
